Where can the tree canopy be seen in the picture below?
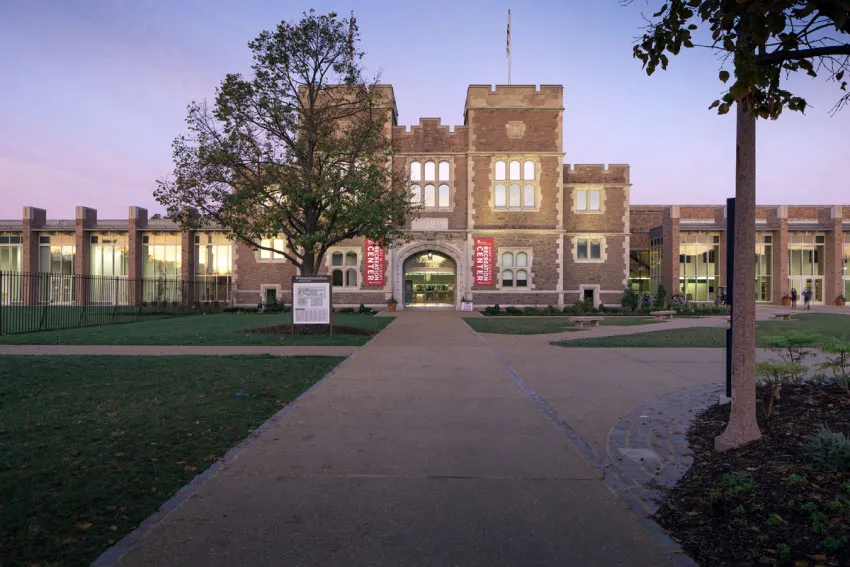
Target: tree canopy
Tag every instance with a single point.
(297, 151)
(767, 39)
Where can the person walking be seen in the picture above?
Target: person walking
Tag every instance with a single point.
(807, 298)
(793, 298)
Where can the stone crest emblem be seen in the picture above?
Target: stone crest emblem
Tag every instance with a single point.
(516, 129)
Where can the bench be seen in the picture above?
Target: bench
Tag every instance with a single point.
(580, 321)
(663, 315)
(782, 316)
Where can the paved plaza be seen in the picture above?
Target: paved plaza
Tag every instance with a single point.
(434, 445)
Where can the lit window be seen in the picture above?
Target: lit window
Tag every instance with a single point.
(501, 198)
(528, 171)
(443, 200)
(528, 196)
(514, 196)
(431, 195)
(277, 244)
(430, 171)
(430, 199)
(588, 200)
(514, 169)
(500, 171)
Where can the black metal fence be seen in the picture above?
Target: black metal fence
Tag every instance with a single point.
(45, 301)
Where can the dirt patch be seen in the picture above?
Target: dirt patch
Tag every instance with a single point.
(311, 330)
(765, 504)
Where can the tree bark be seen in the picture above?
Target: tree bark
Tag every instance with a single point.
(743, 426)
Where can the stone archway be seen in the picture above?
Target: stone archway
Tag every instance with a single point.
(401, 255)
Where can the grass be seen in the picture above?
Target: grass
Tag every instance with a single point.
(24, 319)
(90, 446)
(518, 325)
(825, 324)
(220, 329)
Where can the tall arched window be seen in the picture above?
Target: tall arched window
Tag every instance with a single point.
(430, 171)
(521, 195)
(431, 195)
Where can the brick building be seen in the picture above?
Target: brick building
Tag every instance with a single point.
(503, 220)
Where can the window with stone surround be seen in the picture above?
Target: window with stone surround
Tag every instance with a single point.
(431, 184)
(344, 267)
(589, 249)
(270, 256)
(588, 200)
(515, 267)
(516, 183)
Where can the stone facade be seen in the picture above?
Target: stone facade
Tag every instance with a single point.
(568, 230)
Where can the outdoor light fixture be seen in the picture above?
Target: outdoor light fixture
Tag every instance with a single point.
(430, 255)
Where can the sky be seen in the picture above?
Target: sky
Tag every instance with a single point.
(94, 91)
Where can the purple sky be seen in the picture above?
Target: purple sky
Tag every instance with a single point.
(93, 92)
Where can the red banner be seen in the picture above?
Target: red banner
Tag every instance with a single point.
(375, 263)
(485, 262)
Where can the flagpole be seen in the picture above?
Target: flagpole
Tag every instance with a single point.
(509, 46)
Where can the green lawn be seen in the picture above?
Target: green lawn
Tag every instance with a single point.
(24, 319)
(516, 325)
(715, 337)
(219, 329)
(91, 446)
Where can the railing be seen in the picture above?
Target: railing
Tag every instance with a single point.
(45, 301)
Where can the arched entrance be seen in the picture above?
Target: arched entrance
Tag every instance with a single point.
(430, 280)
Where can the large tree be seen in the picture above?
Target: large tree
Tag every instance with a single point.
(299, 150)
(766, 40)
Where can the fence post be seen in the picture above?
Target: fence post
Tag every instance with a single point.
(83, 294)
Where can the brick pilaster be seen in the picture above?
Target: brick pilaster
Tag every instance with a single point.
(33, 219)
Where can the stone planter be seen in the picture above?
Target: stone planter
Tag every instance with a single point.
(786, 301)
(840, 302)
(391, 307)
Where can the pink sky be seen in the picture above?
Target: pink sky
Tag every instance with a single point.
(95, 92)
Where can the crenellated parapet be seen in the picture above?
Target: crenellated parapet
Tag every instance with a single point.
(612, 174)
(430, 136)
(514, 96)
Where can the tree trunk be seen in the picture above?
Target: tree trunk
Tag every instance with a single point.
(309, 266)
(743, 426)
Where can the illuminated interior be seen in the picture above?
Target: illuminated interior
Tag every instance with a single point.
(429, 279)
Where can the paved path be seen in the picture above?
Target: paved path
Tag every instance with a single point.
(424, 448)
(157, 350)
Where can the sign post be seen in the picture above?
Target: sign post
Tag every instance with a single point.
(311, 301)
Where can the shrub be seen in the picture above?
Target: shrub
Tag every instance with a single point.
(493, 310)
(839, 362)
(346, 310)
(660, 301)
(776, 374)
(552, 310)
(829, 450)
(630, 299)
(513, 310)
(531, 310)
(733, 484)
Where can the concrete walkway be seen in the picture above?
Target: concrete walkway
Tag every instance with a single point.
(159, 350)
(424, 448)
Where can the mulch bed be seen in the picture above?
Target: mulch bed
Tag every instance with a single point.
(311, 330)
(744, 507)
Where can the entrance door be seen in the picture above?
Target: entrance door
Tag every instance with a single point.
(429, 279)
(800, 283)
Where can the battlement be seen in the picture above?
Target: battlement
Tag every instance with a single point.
(428, 124)
(514, 96)
(596, 173)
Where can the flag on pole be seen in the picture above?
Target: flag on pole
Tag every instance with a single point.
(351, 25)
(508, 47)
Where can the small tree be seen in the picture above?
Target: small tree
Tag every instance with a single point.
(775, 375)
(839, 362)
(296, 150)
(630, 299)
(660, 301)
(765, 40)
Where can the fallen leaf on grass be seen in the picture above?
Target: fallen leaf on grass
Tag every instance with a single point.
(83, 525)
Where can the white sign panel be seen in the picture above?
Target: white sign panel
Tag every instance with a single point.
(311, 303)
(430, 223)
